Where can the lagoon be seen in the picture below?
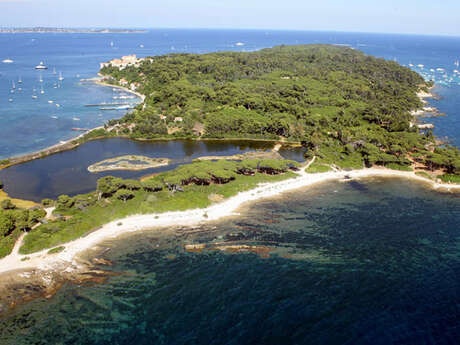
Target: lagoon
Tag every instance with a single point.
(67, 172)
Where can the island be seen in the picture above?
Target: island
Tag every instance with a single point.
(129, 162)
(353, 113)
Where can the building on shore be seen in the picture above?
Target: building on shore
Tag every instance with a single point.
(125, 61)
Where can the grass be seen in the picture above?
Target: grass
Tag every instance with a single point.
(56, 250)
(316, 168)
(7, 243)
(424, 174)
(395, 166)
(17, 202)
(94, 216)
(450, 178)
(4, 163)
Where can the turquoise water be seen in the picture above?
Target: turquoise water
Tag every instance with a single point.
(368, 262)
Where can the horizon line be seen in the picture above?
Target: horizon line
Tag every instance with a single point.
(12, 27)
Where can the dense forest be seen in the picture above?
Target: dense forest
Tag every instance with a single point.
(347, 108)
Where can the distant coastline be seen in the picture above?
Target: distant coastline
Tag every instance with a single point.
(41, 30)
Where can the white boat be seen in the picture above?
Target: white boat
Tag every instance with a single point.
(54, 70)
(40, 79)
(42, 91)
(20, 80)
(50, 102)
(10, 100)
(141, 46)
(13, 85)
(34, 96)
(41, 65)
(58, 105)
(7, 61)
(60, 76)
(76, 119)
(420, 65)
(239, 44)
(54, 117)
(111, 43)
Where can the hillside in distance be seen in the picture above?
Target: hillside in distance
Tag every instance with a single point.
(347, 108)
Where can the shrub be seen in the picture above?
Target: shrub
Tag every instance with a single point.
(450, 178)
(7, 205)
(47, 202)
(64, 202)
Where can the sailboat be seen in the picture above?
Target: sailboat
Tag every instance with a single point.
(54, 70)
(42, 91)
(20, 80)
(457, 63)
(40, 79)
(41, 65)
(60, 76)
(111, 43)
(13, 85)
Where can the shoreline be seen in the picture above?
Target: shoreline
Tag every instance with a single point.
(100, 81)
(66, 260)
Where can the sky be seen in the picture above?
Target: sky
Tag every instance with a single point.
(386, 16)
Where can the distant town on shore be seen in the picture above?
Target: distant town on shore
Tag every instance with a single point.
(70, 30)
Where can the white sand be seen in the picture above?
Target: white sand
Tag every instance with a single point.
(66, 258)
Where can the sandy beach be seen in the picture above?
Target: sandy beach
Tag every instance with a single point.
(68, 258)
(99, 81)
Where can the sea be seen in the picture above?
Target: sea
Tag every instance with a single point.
(372, 261)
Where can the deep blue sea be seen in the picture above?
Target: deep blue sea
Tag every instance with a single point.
(375, 261)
